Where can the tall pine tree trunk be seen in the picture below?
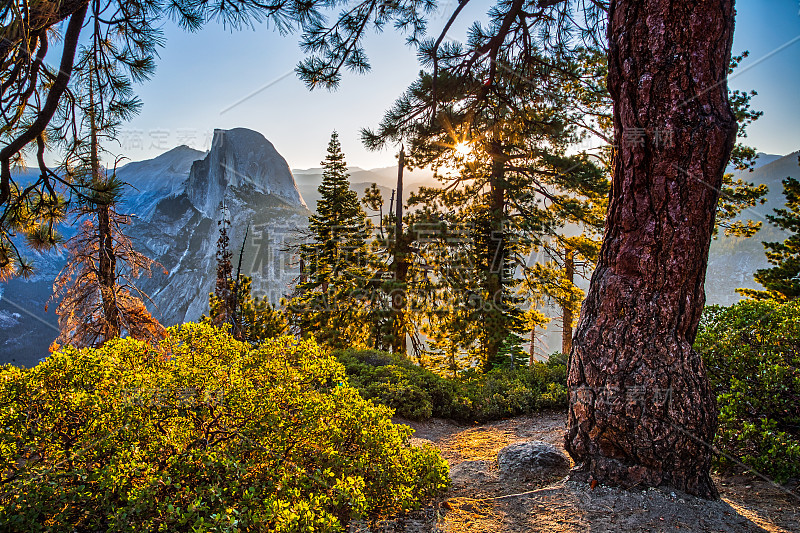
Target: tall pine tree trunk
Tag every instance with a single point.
(641, 410)
(496, 326)
(107, 257)
(401, 264)
(107, 273)
(566, 330)
(532, 352)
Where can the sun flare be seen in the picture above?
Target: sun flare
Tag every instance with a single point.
(463, 148)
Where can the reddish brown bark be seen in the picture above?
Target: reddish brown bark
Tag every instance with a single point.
(494, 258)
(107, 273)
(641, 411)
(531, 353)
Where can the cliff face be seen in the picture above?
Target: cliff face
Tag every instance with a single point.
(176, 198)
(240, 159)
(244, 171)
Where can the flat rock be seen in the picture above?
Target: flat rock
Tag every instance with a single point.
(532, 459)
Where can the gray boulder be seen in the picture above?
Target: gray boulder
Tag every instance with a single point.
(532, 459)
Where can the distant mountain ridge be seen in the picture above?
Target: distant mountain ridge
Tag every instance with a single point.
(385, 177)
(732, 261)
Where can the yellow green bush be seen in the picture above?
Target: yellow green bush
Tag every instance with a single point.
(200, 433)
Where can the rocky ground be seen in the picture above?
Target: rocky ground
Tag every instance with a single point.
(486, 498)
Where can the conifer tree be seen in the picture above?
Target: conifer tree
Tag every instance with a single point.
(514, 186)
(99, 297)
(333, 303)
(392, 260)
(386, 287)
(256, 317)
(782, 281)
(223, 302)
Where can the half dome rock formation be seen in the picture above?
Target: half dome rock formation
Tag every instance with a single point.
(244, 171)
(243, 159)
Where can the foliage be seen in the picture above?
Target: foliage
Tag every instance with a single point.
(99, 298)
(782, 281)
(200, 433)
(752, 353)
(417, 393)
(516, 217)
(738, 194)
(332, 299)
(232, 304)
(508, 190)
(224, 302)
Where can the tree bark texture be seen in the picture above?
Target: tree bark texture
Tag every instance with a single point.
(495, 259)
(641, 410)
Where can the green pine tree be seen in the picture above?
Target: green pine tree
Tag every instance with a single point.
(508, 185)
(232, 304)
(333, 299)
(256, 317)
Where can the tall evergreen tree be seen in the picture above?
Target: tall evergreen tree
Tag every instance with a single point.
(98, 296)
(223, 302)
(333, 301)
(513, 186)
(782, 281)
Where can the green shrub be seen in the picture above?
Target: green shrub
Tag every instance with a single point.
(201, 433)
(752, 353)
(417, 393)
(413, 392)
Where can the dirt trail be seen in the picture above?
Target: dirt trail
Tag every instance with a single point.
(480, 500)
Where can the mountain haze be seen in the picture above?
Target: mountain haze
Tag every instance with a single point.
(732, 261)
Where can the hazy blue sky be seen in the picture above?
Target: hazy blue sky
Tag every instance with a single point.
(204, 79)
